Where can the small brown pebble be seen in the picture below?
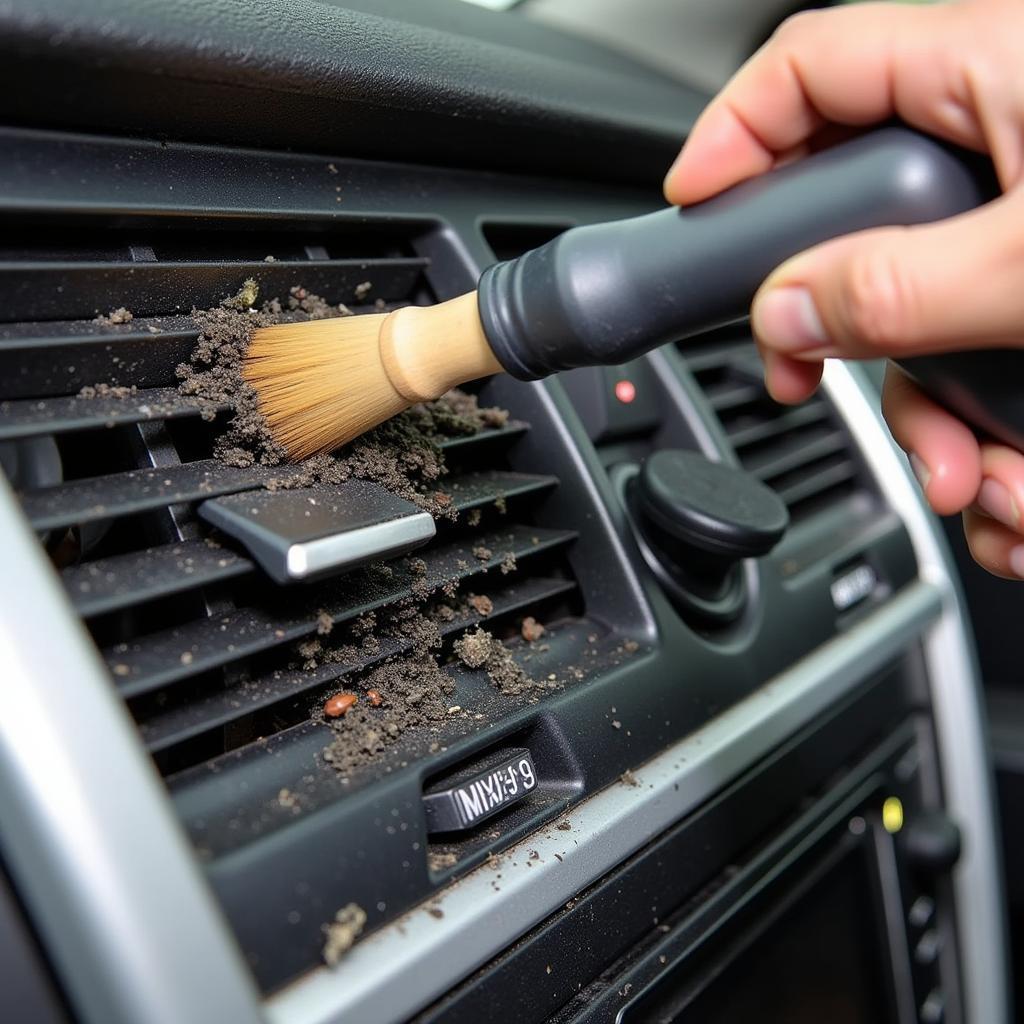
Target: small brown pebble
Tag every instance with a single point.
(374, 697)
(565, 826)
(339, 704)
(531, 629)
(630, 646)
(435, 912)
(481, 604)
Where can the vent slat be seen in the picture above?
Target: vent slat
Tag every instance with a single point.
(123, 581)
(120, 494)
(222, 707)
(793, 452)
(61, 357)
(733, 395)
(61, 290)
(817, 481)
(32, 417)
(473, 490)
(152, 661)
(783, 423)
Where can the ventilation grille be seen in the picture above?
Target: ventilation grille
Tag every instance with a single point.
(801, 451)
(199, 642)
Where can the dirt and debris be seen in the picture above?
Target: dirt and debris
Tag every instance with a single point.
(108, 391)
(435, 912)
(481, 649)
(362, 290)
(531, 629)
(342, 932)
(564, 826)
(627, 778)
(508, 563)
(484, 554)
(473, 517)
(324, 623)
(413, 693)
(438, 861)
(340, 705)
(480, 603)
(289, 801)
(630, 646)
(115, 316)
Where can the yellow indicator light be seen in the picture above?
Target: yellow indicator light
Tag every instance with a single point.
(892, 814)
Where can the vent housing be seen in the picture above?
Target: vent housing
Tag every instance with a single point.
(803, 452)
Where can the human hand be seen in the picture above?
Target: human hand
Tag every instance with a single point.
(951, 70)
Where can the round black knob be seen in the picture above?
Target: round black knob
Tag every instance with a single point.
(932, 842)
(697, 520)
(720, 509)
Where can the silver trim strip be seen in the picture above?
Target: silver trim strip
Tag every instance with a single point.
(87, 830)
(354, 547)
(957, 708)
(401, 968)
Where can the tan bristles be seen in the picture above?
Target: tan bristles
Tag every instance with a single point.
(322, 383)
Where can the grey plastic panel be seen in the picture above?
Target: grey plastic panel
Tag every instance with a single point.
(87, 831)
(401, 968)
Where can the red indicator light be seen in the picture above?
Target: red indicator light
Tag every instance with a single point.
(625, 391)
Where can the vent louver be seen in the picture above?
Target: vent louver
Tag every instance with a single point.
(801, 451)
(199, 642)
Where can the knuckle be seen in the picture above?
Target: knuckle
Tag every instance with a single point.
(880, 300)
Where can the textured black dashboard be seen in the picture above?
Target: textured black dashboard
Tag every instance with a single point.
(313, 75)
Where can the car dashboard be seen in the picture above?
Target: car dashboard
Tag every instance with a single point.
(658, 791)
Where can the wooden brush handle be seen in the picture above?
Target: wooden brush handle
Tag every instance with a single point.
(427, 350)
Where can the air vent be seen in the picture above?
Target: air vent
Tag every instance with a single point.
(225, 669)
(801, 451)
(201, 644)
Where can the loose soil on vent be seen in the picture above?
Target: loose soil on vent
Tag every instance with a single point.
(402, 455)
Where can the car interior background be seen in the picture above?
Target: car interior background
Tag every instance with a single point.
(592, 774)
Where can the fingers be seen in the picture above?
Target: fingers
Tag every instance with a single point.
(949, 69)
(789, 380)
(944, 453)
(829, 66)
(893, 292)
(993, 546)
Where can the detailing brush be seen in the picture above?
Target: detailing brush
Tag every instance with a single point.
(606, 293)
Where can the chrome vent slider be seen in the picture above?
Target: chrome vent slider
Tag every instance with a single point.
(310, 533)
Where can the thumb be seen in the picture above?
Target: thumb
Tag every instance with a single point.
(954, 284)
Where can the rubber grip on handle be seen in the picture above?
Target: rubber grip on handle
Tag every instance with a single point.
(605, 293)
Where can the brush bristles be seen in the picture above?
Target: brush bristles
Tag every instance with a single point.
(321, 383)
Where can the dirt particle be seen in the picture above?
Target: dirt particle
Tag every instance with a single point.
(627, 778)
(186, 658)
(508, 563)
(435, 912)
(531, 629)
(340, 704)
(342, 932)
(565, 825)
(115, 316)
(440, 861)
(324, 623)
(473, 517)
(332, 169)
(474, 648)
(107, 391)
(482, 553)
(374, 697)
(289, 801)
(500, 504)
(481, 604)
(616, 724)
(630, 646)
(362, 290)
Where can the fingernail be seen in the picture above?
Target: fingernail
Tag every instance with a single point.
(996, 500)
(787, 320)
(921, 470)
(1017, 560)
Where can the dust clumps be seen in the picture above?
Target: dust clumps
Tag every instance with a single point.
(342, 932)
(438, 861)
(531, 629)
(115, 316)
(627, 778)
(481, 604)
(480, 649)
(108, 391)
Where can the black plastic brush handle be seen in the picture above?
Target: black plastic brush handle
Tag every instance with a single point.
(606, 293)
